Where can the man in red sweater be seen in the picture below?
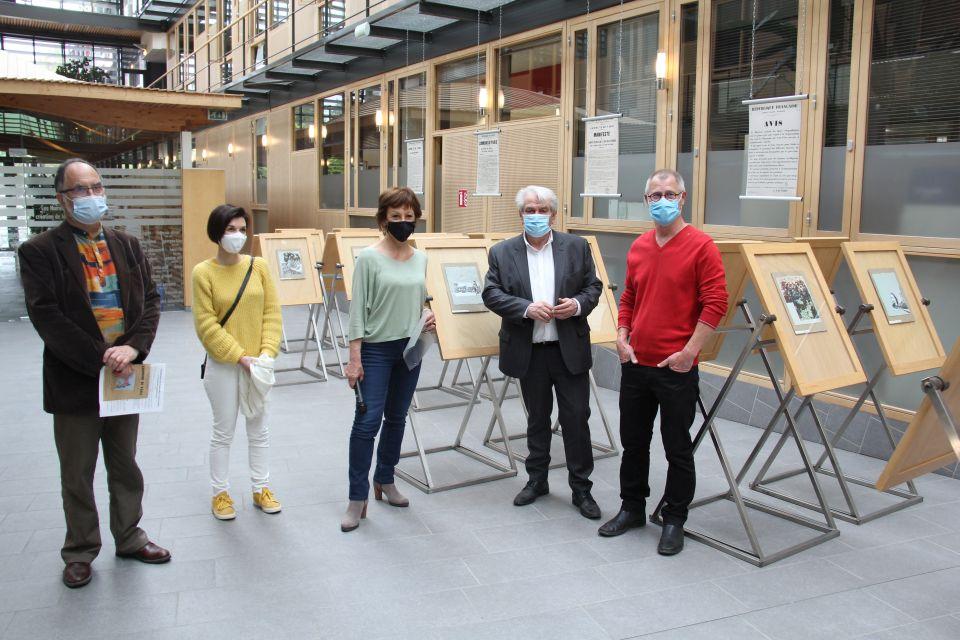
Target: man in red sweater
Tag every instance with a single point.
(674, 296)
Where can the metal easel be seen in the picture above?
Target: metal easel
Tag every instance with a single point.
(336, 341)
(319, 375)
(427, 484)
(934, 386)
(756, 554)
(852, 513)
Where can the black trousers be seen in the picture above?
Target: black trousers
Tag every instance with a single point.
(644, 391)
(546, 373)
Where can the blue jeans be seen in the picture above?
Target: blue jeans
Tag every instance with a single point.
(387, 389)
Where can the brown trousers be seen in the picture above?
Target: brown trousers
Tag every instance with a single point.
(78, 440)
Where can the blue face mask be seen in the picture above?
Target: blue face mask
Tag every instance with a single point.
(664, 211)
(536, 225)
(90, 209)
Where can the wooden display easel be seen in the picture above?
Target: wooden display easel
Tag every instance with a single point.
(307, 290)
(932, 440)
(815, 361)
(603, 330)
(735, 272)
(908, 347)
(316, 237)
(460, 336)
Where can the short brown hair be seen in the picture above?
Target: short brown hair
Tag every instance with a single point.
(221, 217)
(397, 198)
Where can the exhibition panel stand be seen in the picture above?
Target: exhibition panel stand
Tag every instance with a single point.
(909, 342)
(465, 329)
(291, 259)
(603, 330)
(932, 440)
(316, 237)
(818, 356)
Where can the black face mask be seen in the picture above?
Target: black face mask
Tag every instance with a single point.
(401, 230)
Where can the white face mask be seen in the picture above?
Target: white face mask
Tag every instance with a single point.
(233, 242)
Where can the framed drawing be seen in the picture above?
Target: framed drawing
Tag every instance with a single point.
(464, 286)
(291, 258)
(460, 335)
(795, 294)
(817, 352)
(290, 264)
(735, 272)
(901, 322)
(316, 237)
(929, 443)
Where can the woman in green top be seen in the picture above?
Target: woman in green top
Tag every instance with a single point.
(389, 289)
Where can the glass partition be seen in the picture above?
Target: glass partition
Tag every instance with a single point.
(581, 44)
(460, 86)
(529, 79)
(369, 122)
(304, 127)
(411, 118)
(260, 142)
(332, 139)
(687, 92)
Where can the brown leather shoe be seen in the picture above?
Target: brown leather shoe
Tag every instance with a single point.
(150, 553)
(77, 574)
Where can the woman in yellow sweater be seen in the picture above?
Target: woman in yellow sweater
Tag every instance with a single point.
(251, 330)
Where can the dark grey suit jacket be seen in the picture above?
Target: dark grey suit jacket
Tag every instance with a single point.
(508, 294)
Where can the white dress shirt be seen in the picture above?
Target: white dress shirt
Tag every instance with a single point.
(542, 287)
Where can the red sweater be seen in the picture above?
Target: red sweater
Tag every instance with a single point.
(668, 290)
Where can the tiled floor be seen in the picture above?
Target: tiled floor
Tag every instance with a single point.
(458, 564)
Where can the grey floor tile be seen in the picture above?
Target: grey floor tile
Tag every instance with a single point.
(133, 580)
(538, 595)
(570, 624)
(696, 564)
(532, 534)
(14, 542)
(505, 566)
(662, 610)
(723, 629)
(946, 628)
(782, 584)
(33, 594)
(900, 560)
(69, 622)
(842, 615)
(946, 515)
(924, 596)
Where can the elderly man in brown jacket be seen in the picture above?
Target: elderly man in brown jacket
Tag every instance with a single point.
(91, 298)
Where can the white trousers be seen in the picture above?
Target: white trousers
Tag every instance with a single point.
(222, 384)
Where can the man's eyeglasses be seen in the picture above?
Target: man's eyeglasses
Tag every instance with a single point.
(80, 191)
(669, 195)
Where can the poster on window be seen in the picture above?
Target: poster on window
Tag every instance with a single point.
(602, 156)
(415, 165)
(488, 163)
(773, 152)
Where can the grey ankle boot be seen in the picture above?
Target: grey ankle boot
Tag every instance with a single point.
(394, 497)
(356, 511)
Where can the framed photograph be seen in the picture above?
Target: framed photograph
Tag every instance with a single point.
(795, 293)
(290, 264)
(464, 286)
(891, 295)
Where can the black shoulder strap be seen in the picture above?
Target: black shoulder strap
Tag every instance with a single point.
(236, 300)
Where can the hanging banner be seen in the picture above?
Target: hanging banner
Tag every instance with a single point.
(415, 165)
(773, 154)
(488, 163)
(602, 156)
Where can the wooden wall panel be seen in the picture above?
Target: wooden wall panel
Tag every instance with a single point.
(529, 154)
(460, 172)
(306, 23)
(278, 168)
(203, 189)
(304, 190)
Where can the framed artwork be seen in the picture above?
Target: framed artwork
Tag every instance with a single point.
(894, 301)
(464, 287)
(290, 264)
(795, 293)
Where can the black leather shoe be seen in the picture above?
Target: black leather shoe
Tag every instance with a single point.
(587, 505)
(530, 493)
(671, 540)
(77, 574)
(623, 522)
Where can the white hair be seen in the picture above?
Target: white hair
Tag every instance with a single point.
(544, 196)
(665, 173)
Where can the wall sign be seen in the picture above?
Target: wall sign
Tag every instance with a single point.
(488, 163)
(773, 152)
(602, 155)
(415, 165)
(462, 198)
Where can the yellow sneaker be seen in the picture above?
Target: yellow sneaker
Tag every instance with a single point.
(265, 500)
(223, 507)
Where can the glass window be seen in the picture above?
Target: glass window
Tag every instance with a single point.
(190, 32)
(226, 72)
(332, 138)
(279, 11)
(304, 127)
(411, 119)
(212, 15)
(687, 92)
(459, 88)
(258, 53)
(260, 142)
(228, 33)
(201, 17)
(834, 159)
(529, 78)
(369, 119)
(911, 176)
(754, 55)
(580, 87)
(260, 19)
(627, 84)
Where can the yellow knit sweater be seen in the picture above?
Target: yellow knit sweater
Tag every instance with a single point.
(254, 326)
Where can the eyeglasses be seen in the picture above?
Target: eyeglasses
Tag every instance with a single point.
(536, 210)
(80, 191)
(669, 195)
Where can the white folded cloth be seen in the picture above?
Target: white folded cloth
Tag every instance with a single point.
(255, 386)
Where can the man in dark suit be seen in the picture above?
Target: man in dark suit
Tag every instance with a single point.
(90, 297)
(544, 285)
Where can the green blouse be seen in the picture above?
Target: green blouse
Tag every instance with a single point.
(388, 296)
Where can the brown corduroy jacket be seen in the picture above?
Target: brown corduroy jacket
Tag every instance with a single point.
(56, 295)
